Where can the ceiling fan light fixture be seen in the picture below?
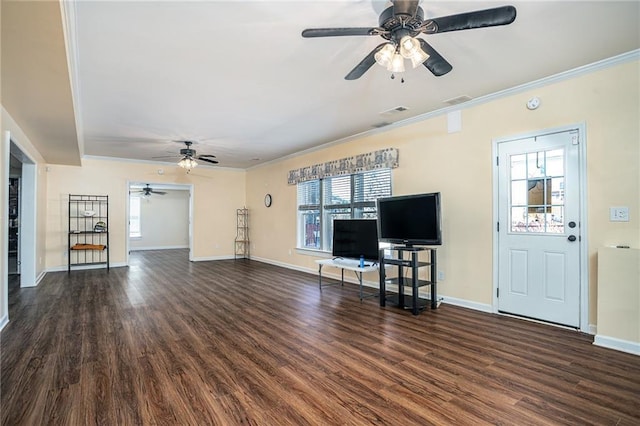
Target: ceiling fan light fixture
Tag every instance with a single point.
(385, 55)
(188, 163)
(410, 49)
(397, 64)
(408, 45)
(418, 58)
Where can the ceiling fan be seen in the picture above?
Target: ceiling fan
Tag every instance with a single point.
(401, 23)
(147, 191)
(188, 157)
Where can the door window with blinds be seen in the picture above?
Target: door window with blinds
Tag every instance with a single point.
(339, 197)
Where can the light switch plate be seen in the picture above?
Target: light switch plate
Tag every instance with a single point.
(619, 214)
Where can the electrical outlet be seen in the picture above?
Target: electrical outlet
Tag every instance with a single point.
(440, 275)
(619, 214)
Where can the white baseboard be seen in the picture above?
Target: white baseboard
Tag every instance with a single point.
(4, 321)
(592, 329)
(205, 259)
(285, 265)
(157, 248)
(64, 268)
(35, 284)
(463, 303)
(617, 344)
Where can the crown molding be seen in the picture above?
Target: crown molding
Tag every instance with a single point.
(158, 163)
(69, 26)
(633, 55)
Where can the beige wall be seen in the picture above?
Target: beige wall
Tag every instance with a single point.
(217, 194)
(460, 165)
(619, 299)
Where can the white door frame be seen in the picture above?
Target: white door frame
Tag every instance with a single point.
(28, 218)
(584, 229)
(4, 203)
(28, 226)
(188, 186)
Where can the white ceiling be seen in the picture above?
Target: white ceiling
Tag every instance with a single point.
(238, 78)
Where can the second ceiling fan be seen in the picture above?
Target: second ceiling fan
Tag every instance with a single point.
(147, 191)
(401, 23)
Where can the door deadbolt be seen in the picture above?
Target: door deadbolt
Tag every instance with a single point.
(572, 238)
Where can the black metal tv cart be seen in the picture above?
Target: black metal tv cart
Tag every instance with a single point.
(88, 230)
(407, 261)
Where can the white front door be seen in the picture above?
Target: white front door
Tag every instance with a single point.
(539, 228)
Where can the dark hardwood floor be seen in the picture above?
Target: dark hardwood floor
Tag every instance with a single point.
(170, 342)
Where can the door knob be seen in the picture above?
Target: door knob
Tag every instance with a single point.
(572, 238)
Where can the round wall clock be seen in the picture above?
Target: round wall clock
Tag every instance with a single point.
(268, 200)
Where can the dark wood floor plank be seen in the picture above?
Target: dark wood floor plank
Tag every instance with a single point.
(166, 342)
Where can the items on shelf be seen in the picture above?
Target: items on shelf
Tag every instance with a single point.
(79, 246)
(88, 234)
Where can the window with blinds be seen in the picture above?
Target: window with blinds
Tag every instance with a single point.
(339, 197)
(309, 214)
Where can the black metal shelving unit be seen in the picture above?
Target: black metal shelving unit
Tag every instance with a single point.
(88, 230)
(412, 264)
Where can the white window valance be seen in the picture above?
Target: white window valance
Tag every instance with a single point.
(384, 158)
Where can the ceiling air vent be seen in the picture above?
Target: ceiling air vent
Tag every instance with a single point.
(382, 124)
(394, 110)
(458, 100)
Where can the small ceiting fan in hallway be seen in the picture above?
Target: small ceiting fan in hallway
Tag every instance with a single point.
(401, 23)
(147, 191)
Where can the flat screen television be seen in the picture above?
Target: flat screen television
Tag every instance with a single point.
(353, 238)
(410, 219)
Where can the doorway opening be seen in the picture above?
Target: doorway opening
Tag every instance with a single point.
(22, 216)
(19, 203)
(160, 217)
